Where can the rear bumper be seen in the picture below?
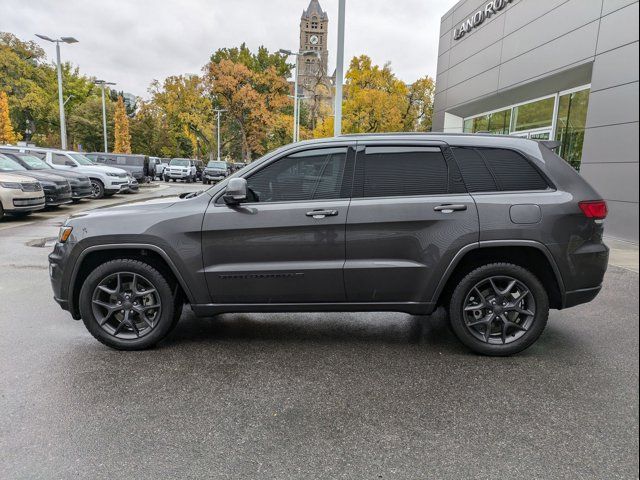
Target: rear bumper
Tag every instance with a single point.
(578, 297)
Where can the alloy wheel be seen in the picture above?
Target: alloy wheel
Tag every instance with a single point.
(499, 310)
(126, 305)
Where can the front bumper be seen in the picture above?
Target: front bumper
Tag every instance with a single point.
(214, 175)
(177, 174)
(26, 204)
(55, 197)
(116, 185)
(81, 191)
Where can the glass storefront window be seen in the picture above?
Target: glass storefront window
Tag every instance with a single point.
(572, 117)
(532, 115)
(496, 123)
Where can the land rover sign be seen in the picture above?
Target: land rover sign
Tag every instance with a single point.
(480, 16)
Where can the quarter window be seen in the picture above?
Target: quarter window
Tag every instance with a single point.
(309, 175)
(401, 171)
(497, 169)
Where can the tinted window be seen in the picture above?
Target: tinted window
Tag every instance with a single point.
(402, 171)
(310, 175)
(60, 159)
(497, 169)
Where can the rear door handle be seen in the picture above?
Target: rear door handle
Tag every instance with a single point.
(450, 208)
(322, 213)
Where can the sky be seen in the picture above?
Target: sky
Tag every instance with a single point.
(133, 42)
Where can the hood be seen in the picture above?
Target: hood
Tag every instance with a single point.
(103, 168)
(15, 177)
(130, 208)
(68, 174)
(42, 176)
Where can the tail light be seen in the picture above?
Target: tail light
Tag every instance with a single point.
(596, 209)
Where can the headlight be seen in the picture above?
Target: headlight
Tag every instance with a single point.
(113, 174)
(15, 185)
(65, 232)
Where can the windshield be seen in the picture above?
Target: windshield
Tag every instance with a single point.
(34, 163)
(179, 162)
(81, 159)
(8, 165)
(217, 164)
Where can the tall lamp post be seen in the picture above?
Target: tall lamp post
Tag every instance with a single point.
(305, 53)
(102, 84)
(63, 125)
(337, 120)
(219, 112)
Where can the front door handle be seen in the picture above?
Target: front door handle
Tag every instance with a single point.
(322, 213)
(450, 208)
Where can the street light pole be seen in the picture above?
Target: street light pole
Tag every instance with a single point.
(337, 120)
(295, 100)
(63, 125)
(102, 84)
(219, 111)
(296, 107)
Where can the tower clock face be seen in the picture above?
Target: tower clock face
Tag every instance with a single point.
(313, 39)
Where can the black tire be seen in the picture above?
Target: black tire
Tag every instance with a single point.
(166, 179)
(472, 332)
(166, 319)
(97, 188)
(1, 212)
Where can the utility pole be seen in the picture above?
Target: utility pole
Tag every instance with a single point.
(219, 112)
(63, 125)
(337, 120)
(296, 109)
(102, 84)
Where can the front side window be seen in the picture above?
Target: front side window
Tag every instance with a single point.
(81, 159)
(60, 159)
(400, 171)
(309, 175)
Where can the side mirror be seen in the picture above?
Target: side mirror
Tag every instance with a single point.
(236, 191)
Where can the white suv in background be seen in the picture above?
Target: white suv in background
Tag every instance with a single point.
(105, 181)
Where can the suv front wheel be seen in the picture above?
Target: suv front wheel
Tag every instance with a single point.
(499, 309)
(128, 305)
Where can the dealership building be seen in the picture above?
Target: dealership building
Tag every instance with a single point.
(565, 70)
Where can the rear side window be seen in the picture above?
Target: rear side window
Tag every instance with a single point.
(401, 171)
(497, 170)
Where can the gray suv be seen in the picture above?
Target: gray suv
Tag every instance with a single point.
(497, 230)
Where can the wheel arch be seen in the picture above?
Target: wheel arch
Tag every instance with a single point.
(532, 255)
(95, 255)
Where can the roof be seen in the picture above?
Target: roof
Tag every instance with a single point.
(314, 8)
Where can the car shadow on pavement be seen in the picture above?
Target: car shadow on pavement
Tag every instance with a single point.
(374, 327)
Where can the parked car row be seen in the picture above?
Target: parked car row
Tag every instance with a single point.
(190, 170)
(33, 178)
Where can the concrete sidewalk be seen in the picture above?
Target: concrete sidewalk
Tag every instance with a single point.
(623, 254)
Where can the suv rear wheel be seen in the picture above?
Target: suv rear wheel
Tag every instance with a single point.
(127, 305)
(499, 309)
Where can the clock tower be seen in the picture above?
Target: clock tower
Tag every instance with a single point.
(314, 29)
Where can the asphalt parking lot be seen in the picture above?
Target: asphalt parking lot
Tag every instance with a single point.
(358, 396)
